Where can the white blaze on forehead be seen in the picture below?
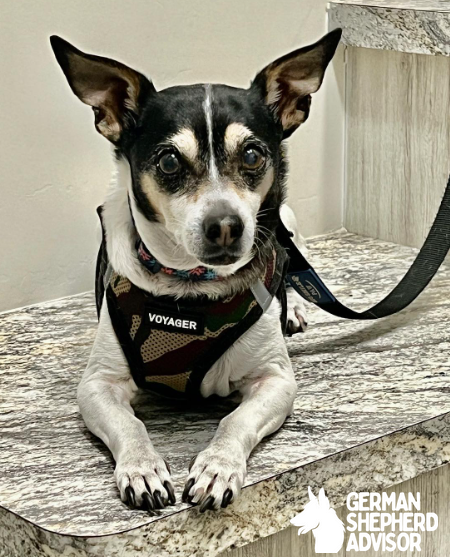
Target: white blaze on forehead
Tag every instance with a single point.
(186, 143)
(235, 135)
(207, 107)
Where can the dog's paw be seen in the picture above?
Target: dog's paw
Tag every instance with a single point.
(144, 481)
(297, 322)
(215, 479)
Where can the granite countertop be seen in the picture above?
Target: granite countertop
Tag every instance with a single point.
(370, 412)
(413, 26)
(425, 5)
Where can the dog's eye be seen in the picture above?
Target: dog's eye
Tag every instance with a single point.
(252, 158)
(169, 163)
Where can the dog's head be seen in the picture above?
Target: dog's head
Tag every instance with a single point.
(206, 161)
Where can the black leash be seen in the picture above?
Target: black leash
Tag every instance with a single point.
(308, 284)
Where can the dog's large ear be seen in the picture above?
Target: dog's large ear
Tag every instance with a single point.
(288, 83)
(114, 90)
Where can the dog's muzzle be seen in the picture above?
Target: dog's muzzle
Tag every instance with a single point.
(222, 236)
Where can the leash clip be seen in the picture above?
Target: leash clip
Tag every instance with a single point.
(309, 285)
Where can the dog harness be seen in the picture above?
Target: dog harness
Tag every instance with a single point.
(170, 344)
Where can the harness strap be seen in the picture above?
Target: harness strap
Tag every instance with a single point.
(262, 295)
(304, 279)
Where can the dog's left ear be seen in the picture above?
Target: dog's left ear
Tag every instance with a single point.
(113, 90)
(288, 83)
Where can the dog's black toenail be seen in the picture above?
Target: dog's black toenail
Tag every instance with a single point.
(149, 503)
(170, 492)
(131, 499)
(187, 489)
(159, 503)
(207, 504)
(191, 464)
(167, 466)
(227, 496)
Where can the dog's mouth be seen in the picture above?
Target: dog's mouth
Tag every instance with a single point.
(219, 259)
(232, 256)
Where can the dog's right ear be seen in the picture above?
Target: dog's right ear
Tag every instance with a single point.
(114, 91)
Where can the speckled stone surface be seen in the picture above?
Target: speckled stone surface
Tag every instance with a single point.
(414, 26)
(363, 390)
(423, 5)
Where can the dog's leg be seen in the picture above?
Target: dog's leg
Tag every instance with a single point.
(104, 396)
(297, 320)
(218, 472)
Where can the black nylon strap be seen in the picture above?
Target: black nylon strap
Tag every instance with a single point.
(308, 284)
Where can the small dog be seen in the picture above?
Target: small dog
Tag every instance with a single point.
(191, 282)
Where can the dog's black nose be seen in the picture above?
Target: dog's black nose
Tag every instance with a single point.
(223, 231)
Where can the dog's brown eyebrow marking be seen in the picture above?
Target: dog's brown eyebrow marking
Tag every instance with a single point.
(186, 143)
(235, 135)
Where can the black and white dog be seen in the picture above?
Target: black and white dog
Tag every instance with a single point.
(198, 193)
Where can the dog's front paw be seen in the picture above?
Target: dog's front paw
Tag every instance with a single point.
(297, 321)
(215, 479)
(143, 479)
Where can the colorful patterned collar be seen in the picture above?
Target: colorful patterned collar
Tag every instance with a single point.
(154, 266)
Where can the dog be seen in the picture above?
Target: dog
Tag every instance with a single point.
(191, 218)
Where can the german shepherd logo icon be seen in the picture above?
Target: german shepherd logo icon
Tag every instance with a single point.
(318, 516)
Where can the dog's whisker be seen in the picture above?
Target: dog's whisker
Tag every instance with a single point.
(265, 236)
(263, 212)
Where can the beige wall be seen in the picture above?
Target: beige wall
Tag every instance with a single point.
(55, 168)
(392, 191)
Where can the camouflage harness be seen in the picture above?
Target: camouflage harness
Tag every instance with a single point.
(170, 344)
